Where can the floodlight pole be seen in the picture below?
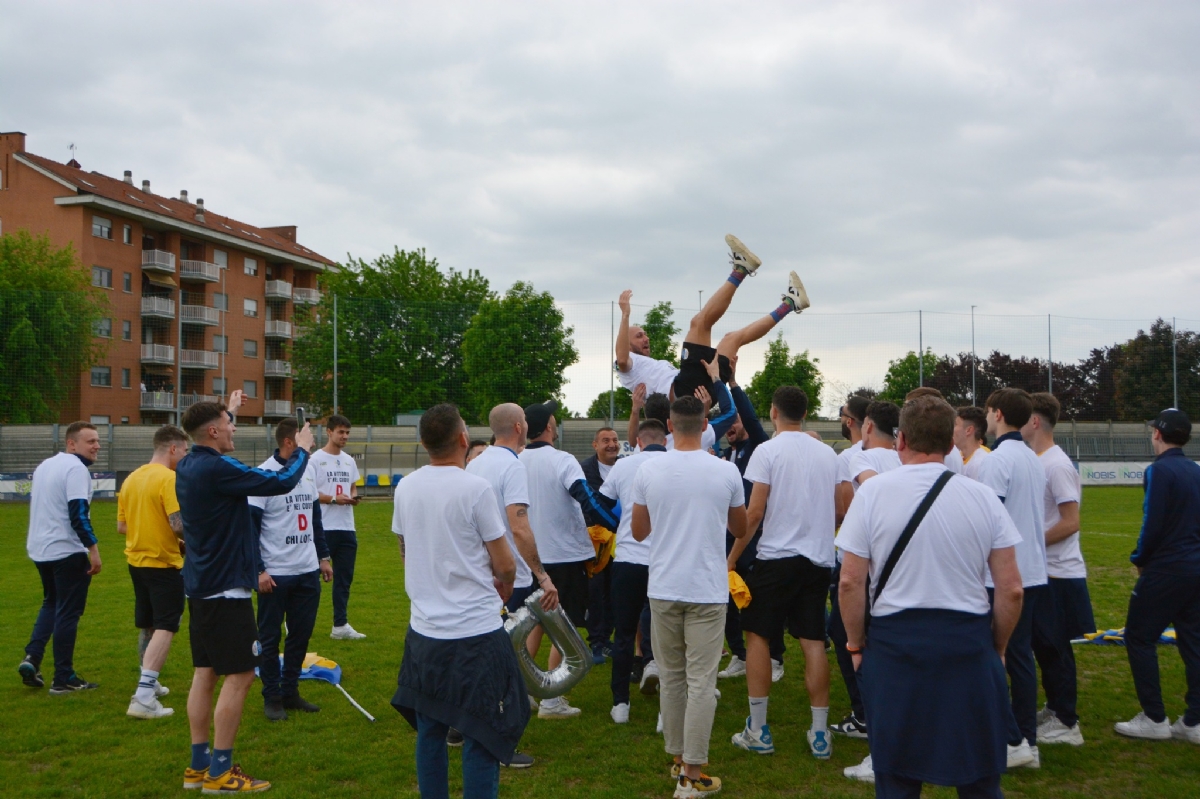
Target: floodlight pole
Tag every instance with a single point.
(335, 357)
(920, 348)
(1050, 356)
(1174, 366)
(612, 347)
(974, 400)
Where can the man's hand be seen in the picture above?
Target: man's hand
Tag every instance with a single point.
(705, 398)
(265, 583)
(638, 399)
(326, 570)
(550, 593)
(94, 564)
(732, 370)
(856, 659)
(623, 302)
(713, 369)
(304, 439)
(503, 589)
(236, 398)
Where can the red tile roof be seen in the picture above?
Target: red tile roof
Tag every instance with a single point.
(170, 207)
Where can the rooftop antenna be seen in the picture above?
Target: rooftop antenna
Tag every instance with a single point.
(72, 148)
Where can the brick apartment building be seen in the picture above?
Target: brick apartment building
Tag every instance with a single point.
(200, 304)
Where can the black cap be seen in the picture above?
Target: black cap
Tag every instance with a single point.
(1173, 421)
(538, 416)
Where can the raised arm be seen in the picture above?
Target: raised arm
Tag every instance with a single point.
(637, 401)
(238, 479)
(622, 345)
(745, 409)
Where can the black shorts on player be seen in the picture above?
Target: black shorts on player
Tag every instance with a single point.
(157, 598)
(692, 374)
(224, 635)
(571, 580)
(787, 593)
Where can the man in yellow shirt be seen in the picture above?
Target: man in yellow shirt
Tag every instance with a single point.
(148, 517)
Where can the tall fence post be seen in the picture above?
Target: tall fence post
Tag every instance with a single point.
(612, 346)
(335, 356)
(1174, 365)
(920, 348)
(974, 400)
(1049, 357)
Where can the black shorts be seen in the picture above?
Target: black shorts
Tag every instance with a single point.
(786, 593)
(692, 373)
(571, 580)
(157, 598)
(224, 635)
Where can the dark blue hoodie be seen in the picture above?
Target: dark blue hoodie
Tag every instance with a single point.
(1170, 537)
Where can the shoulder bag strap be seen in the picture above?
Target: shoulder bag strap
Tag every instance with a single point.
(906, 536)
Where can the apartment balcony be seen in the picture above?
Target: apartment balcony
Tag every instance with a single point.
(199, 315)
(199, 270)
(277, 369)
(278, 290)
(158, 308)
(277, 408)
(158, 261)
(306, 296)
(277, 329)
(157, 400)
(188, 400)
(163, 354)
(199, 359)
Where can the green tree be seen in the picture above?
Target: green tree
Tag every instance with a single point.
(622, 404)
(515, 350)
(47, 309)
(781, 368)
(904, 374)
(400, 326)
(1144, 379)
(660, 326)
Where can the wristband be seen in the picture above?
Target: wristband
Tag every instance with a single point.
(854, 650)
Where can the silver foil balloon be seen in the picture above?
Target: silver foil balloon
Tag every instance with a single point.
(577, 658)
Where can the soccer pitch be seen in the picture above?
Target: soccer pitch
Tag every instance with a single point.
(84, 745)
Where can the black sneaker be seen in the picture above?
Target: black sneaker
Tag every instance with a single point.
(519, 760)
(851, 727)
(454, 738)
(72, 685)
(31, 673)
(598, 657)
(273, 709)
(296, 702)
(635, 674)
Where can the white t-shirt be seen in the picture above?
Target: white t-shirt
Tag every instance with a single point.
(1015, 473)
(954, 461)
(799, 519)
(657, 375)
(973, 467)
(945, 564)
(688, 495)
(845, 458)
(335, 475)
(619, 486)
(56, 481)
(1065, 558)
(875, 459)
(555, 516)
(286, 540)
(604, 468)
(446, 517)
(708, 439)
(505, 473)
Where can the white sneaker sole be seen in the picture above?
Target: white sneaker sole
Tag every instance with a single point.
(737, 741)
(1144, 735)
(752, 261)
(796, 292)
(149, 714)
(554, 714)
(1072, 737)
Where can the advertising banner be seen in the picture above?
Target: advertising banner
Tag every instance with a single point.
(17, 486)
(1112, 473)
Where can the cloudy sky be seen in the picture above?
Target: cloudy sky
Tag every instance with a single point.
(1026, 158)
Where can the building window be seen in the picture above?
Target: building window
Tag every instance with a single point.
(102, 328)
(101, 228)
(219, 386)
(127, 330)
(124, 420)
(250, 388)
(250, 307)
(101, 277)
(250, 348)
(128, 283)
(220, 343)
(102, 376)
(221, 258)
(99, 420)
(126, 378)
(127, 234)
(221, 301)
(251, 267)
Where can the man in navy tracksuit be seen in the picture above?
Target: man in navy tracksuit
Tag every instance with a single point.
(218, 576)
(1168, 588)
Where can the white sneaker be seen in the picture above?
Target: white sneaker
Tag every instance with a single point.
(557, 709)
(1036, 761)
(736, 668)
(1140, 726)
(863, 772)
(760, 743)
(776, 670)
(796, 294)
(1020, 755)
(717, 694)
(1044, 715)
(346, 633)
(658, 725)
(154, 710)
(820, 743)
(649, 684)
(740, 255)
(1053, 731)
(1183, 732)
(620, 713)
(160, 689)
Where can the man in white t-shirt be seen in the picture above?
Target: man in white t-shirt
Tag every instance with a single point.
(683, 502)
(954, 458)
(337, 489)
(928, 611)
(1067, 613)
(878, 453)
(459, 668)
(970, 433)
(293, 560)
(794, 478)
(1017, 476)
(852, 415)
(62, 544)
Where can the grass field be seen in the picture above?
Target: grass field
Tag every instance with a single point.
(84, 745)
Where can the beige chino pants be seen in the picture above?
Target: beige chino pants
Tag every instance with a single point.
(687, 638)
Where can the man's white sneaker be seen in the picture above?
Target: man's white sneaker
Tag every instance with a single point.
(1020, 755)
(863, 772)
(557, 709)
(649, 684)
(796, 294)
(346, 633)
(1044, 715)
(160, 689)
(154, 710)
(740, 255)
(820, 743)
(1053, 731)
(759, 742)
(1183, 732)
(620, 713)
(776, 670)
(736, 668)
(1140, 726)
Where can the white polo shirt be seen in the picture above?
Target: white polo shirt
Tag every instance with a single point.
(799, 519)
(708, 439)
(945, 564)
(446, 518)
(657, 375)
(688, 495)
(973, 467)
(1065, 558)
(56, 481)
(555, 516)
(505, 473)
(619, 486)
(335, 475)
(286, 538)
(875, 459)
(845, 458)
(1015, 473)
(954, 460)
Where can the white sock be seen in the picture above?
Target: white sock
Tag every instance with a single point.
(146, 685)
(820, 718)
(758, 712)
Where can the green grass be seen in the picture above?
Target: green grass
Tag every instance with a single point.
(85, 746)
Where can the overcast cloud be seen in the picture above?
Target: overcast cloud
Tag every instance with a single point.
(1023, 157)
